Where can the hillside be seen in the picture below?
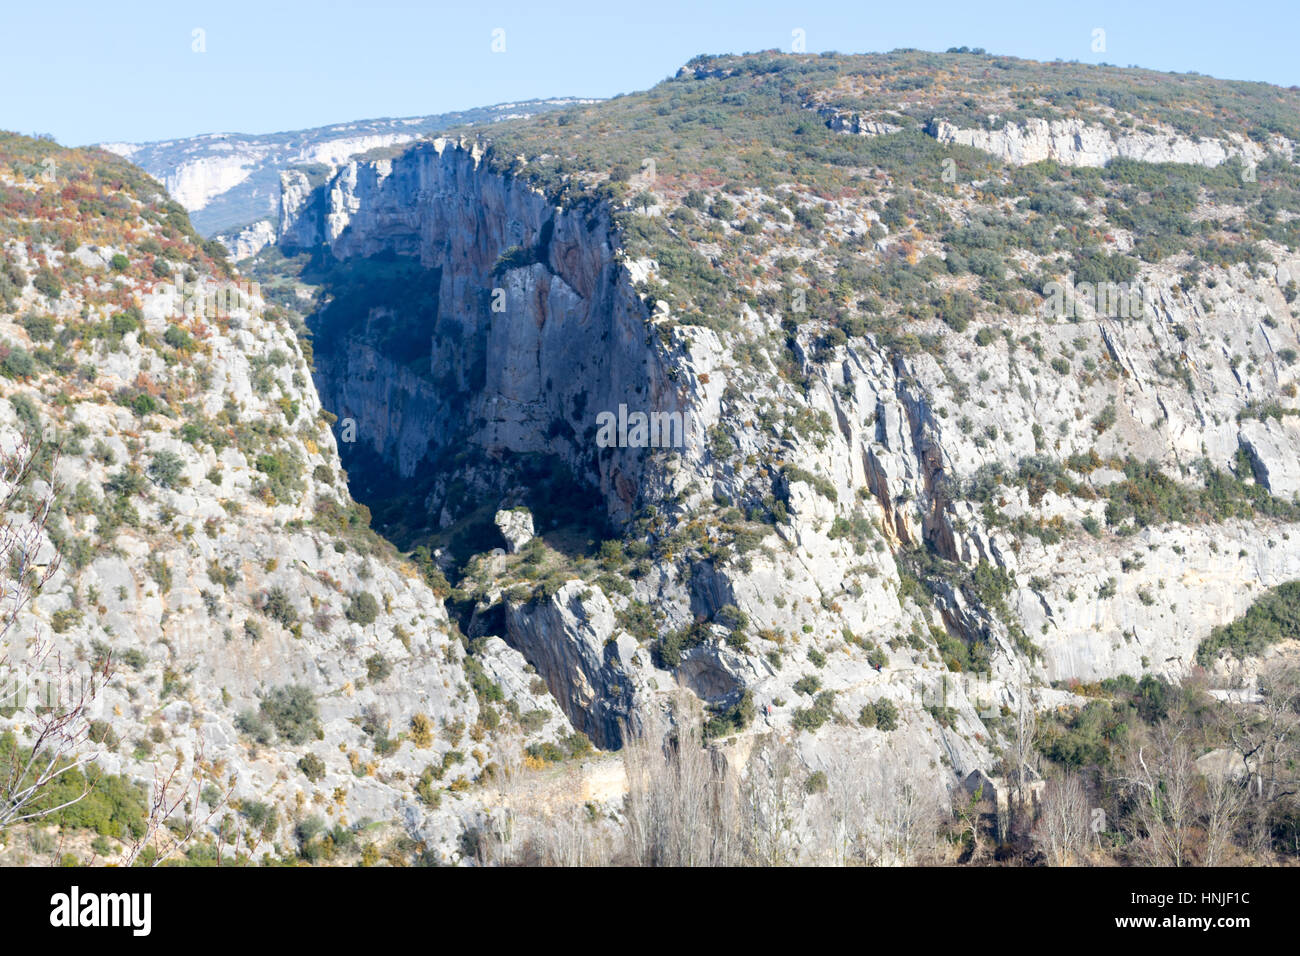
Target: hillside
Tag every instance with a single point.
(966, 463)
(997, 381)
(259, 636)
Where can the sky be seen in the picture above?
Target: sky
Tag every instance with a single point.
(143, 70)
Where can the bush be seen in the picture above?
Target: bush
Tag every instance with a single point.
(262, 817)
(293, 712)
(119, 263)
(47, 284)
(734, 718)
(17, 363)
(809, 684)
(166, 469)
(312, 767)
(886, 715)
(143, 404)
(363, 609)
(113, 806)
(250, 724)
(811, 718)
(178, 338)
(378, 668)
(278, 606)
(124, 323)
(39, 327)
(867, 716)
(672, 645)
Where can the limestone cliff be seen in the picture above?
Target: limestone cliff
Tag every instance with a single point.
(854, 515)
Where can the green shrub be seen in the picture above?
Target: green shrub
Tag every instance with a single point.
(378, 668)
(47, 284)
(886, 715)
(278, 606)
(811, 718)
(40, 328)
(312, 767)
(249, 723)
(110, 804)
(816, 782)
(809, 684)
(262, 817)
(731, 719)
(363, 609)
(178, 338)
(166, 468)
(17, 362)
(1273, 617)
(293, 712)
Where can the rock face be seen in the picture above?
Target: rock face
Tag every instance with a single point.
(905, 500)
(847, 121)
(892, 459)
(885, 475)
(1074, 142)
(532, 322)
(516, 526)
(215, 557)
(250, 240)
(597, 674)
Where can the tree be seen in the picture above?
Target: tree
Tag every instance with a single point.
(681, 802)
(907, 813)
(1266, 736)
(770, 798)
(1022, 754)
(166, 831)
(1062, 828)
(1161, 776)
(53, 697)
(1223, 800)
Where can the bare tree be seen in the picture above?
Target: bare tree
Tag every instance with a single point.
(908, 811)
(54, 700)
(1022, 757)
(770, 796)
(1162, 778)
(1266, 737)
(1062, 828)
(175, 791)
(839, 815)
(1224, 803)
(680, 802)
(22, 534)
(968, 810)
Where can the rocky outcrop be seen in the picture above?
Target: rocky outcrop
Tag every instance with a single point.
(516, 526)
(537, 329)
(250, 240)
(1075, 142)
(850, 121)
(594, 669)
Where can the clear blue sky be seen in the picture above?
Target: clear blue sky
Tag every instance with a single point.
(94, 72)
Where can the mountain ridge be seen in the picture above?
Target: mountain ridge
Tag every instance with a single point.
(228, 181)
